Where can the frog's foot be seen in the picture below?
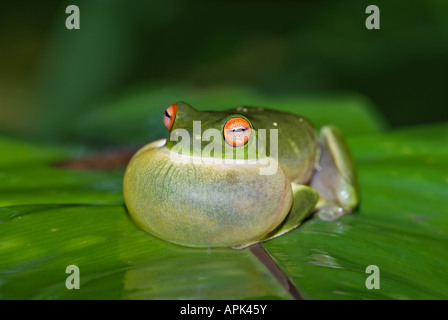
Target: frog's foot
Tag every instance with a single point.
(335, 176)
(329, 211)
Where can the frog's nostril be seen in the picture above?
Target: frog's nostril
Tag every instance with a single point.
(169, 116)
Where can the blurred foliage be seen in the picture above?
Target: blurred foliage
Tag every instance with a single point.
(52, 77)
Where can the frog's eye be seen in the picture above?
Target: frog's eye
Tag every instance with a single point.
(237, 132)
(169, 115)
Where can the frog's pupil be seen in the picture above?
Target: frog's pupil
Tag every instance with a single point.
(166, 113)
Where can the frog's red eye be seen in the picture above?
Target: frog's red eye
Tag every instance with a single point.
(169, 116)
(237, 132)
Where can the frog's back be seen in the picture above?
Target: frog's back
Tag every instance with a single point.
(297, 139)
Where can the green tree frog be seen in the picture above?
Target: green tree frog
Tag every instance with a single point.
(237, 177)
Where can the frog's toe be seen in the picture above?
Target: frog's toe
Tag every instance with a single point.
(330, 212)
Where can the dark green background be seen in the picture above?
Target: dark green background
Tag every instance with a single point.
(52, 77)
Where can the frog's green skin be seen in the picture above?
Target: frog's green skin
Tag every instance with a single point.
(211, 204)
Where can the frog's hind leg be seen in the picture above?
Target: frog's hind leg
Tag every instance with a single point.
(304, 201)
(335, 176)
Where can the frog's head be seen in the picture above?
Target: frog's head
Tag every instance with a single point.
(209, 133)
(204, 201)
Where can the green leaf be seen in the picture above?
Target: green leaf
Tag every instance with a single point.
(16, 152)
(116, 259)
(53, 217)
(401, 227)
(43, 185)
